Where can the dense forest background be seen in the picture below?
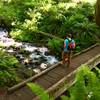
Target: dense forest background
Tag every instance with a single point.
(26, 20)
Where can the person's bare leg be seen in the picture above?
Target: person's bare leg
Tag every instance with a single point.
(69, 59)
(63, 58)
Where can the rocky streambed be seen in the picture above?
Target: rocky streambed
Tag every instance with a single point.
(34, 59)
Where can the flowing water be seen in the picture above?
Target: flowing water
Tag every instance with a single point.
(29, 55)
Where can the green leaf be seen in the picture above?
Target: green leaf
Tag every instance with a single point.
(40, 92)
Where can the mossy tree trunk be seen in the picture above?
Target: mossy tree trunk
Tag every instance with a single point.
(97, 15)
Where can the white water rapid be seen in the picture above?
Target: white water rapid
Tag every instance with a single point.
(27, 54)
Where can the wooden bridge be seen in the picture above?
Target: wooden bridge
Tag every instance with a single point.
(57, 78)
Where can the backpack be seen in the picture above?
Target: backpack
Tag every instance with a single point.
(71, 45)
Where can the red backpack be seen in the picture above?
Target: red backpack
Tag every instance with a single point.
(71, 45)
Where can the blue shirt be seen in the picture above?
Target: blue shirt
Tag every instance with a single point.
(66, 42)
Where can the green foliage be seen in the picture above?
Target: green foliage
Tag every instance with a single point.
(8, 78)
(7, 61)
(98, 72)
(8, 65)
(55, 46)
(56, 17)
(78, 49)
(39, 91)
(64, 98)
(86, 86)
(22, 35)
(13, 11)
(8, 9)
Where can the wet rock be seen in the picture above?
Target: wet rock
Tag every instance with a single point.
(10, 51)
(43, 66)
(47, 53)
(21, 51)
(43, 59)
(20, 57)
(36, 62)
(37, 52)
(26, 61)
(37, 70)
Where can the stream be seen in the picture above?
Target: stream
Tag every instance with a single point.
(32, 57)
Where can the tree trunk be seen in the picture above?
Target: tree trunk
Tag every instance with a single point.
(97, 14)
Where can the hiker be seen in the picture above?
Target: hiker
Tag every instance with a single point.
(69, 45)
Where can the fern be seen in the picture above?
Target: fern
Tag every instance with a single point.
(40, 92)
(87, 85)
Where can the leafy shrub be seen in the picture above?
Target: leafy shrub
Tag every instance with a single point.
(8, 65)
(86, 86)
(56, 46)
(39, 91)
(22, 35)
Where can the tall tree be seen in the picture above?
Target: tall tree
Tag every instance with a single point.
(98, 12)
